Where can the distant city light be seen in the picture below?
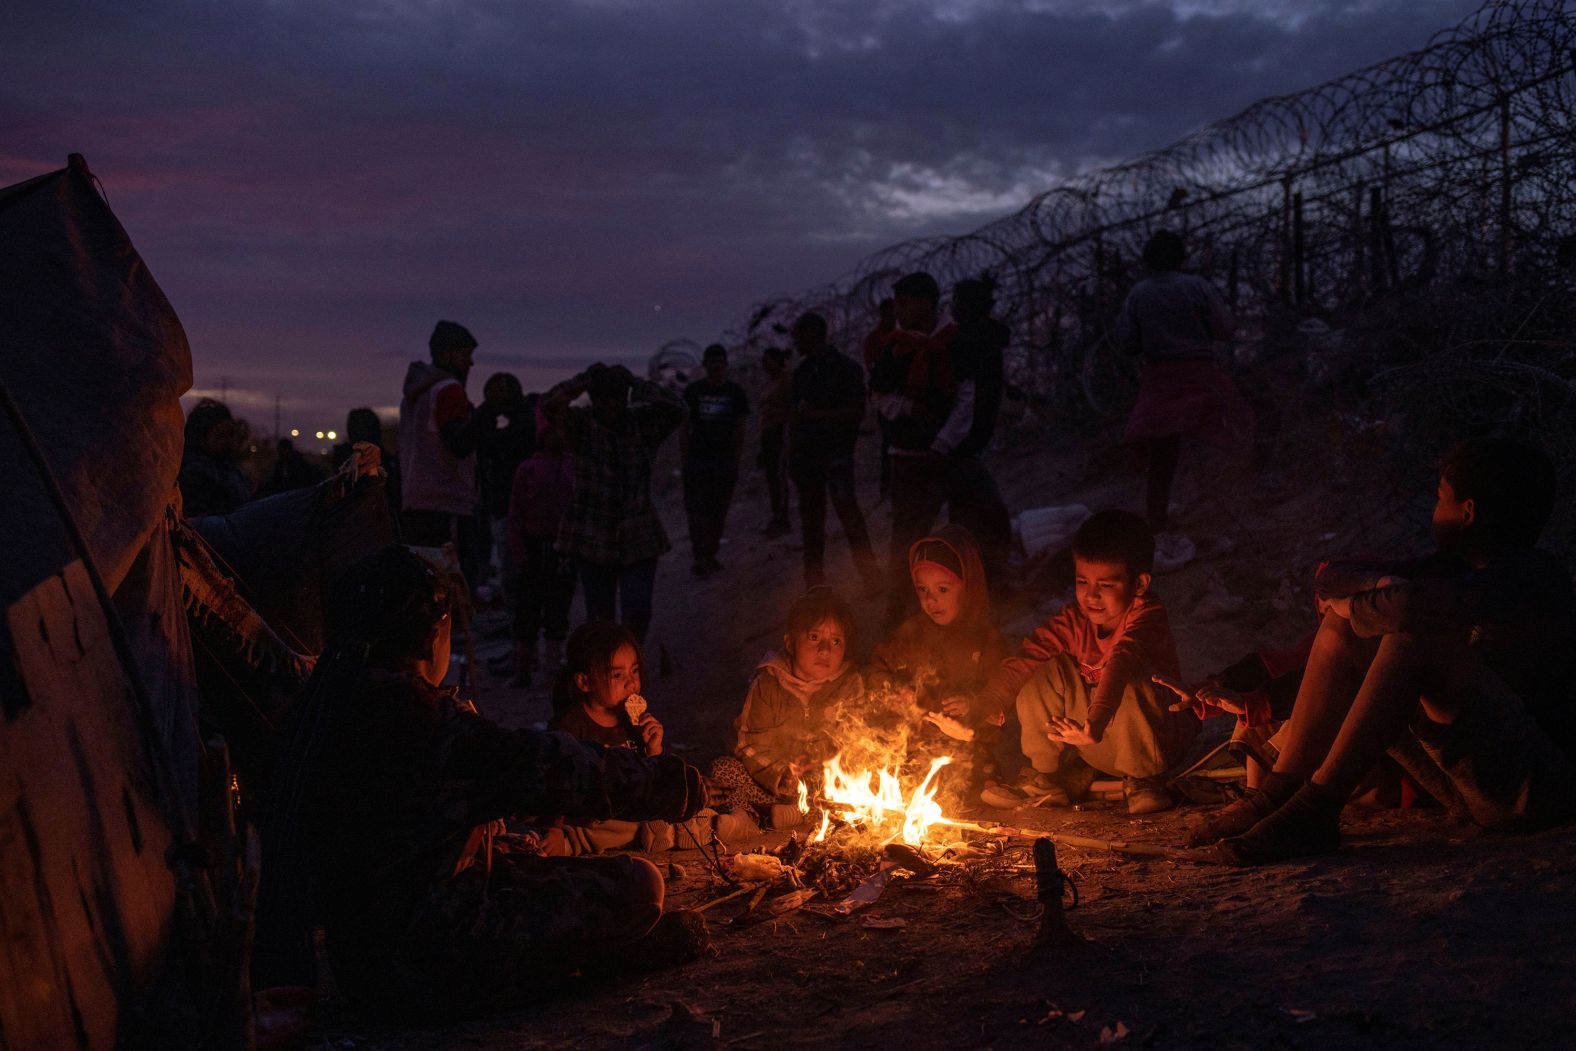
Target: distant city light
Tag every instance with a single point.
(332, 436)
(294, 433)
(320, 434)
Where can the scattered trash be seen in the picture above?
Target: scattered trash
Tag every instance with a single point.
(868, 891)
(758, 867)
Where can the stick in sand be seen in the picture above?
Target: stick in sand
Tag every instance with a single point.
(1143, 850)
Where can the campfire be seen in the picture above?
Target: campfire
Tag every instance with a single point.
(879, 814)
(872, 802)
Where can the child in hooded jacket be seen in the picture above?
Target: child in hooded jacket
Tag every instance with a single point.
(782, 731)
(948, 651)
(950, 647)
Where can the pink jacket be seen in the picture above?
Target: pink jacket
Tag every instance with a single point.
(539, 498)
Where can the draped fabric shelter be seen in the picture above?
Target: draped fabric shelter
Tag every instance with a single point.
(99, 747)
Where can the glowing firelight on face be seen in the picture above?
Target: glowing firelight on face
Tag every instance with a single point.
(875, 799)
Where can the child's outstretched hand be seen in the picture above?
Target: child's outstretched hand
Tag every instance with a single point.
(1208, 694)
(650, 734)
(1069, 731)
(949, 726)
(956, 706)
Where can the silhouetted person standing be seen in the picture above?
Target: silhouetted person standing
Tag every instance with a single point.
(363, 425)
(612, 529)
(211, 479)
(827, 404)
(713, 440)
(1179, 327)
(438, 435)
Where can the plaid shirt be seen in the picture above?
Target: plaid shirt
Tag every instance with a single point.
(611, 520)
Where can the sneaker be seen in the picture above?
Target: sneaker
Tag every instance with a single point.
(1042, 789)
(734, 824)
(1146, 795)
(786, 815)
(655, 836)
(1001, 797)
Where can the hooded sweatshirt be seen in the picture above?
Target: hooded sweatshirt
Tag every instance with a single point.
(435, 479)
(784, 717)
(943, 661)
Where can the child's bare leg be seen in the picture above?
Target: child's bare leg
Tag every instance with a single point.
(1329, 686)
(1334, 674)
(1406, 669)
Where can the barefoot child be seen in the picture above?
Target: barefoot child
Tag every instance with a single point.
(947, 652)
(1083, 681)
(782, 733)
(596, 698)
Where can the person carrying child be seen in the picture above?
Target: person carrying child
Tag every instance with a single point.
(948, 651)
(1083, 684)
(384, 816)
(782, 730)
(1470, 654)
(596, 698)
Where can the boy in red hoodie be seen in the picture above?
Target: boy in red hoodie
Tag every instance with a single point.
(1083, 681)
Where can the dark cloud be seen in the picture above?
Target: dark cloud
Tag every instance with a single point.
(314, 182)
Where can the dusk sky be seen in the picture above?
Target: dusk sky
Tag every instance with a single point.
(315, 182)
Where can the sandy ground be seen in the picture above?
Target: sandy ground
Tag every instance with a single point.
(1422, 933)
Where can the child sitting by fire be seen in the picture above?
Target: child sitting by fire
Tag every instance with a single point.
(949, 650)
(596, 698)
(1082, 682)
(782, 730)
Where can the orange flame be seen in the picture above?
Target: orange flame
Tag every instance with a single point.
(875, 799)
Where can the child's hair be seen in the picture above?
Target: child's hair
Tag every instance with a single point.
(1511, 484)
(589, 651)
(819, 604)
(391, 601)
(1116, 536)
